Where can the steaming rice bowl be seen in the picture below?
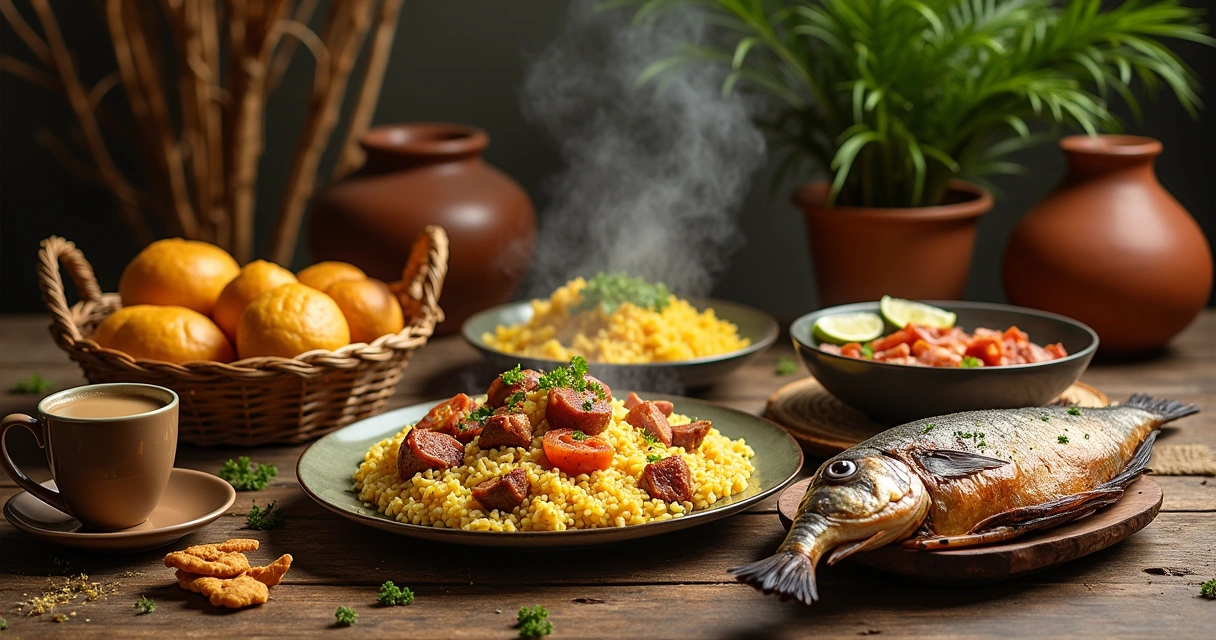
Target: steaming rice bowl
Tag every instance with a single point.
(619, 320)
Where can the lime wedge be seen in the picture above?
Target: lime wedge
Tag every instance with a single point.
(900, 313)
(848, 327)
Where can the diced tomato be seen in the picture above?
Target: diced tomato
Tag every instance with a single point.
(902, 350)
(444, 417)
(1017, 335)
(851, 350)
(591, 453)
(1056, 351)
(888, 342)
(989, 350)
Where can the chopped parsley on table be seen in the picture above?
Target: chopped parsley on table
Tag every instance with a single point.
(263, 518)
(345, 616)
(145, 605)
(533, 622)
(608, 291)
(32, 384)
(785, 366)
(243, 475)
(1074, 411)
(1208, 589)
(392, 595)
(1062, 439)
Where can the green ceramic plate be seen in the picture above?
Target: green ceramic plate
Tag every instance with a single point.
(757, 326)
(325, 469)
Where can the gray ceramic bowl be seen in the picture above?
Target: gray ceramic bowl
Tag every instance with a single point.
(667, 377)
(896, 393)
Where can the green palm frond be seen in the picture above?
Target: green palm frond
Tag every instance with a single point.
(895, 98)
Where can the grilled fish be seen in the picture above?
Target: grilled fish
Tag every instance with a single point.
(965, 479)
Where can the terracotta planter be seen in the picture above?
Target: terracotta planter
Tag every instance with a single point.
(1111, 248)
(861, 254)
(430, 173)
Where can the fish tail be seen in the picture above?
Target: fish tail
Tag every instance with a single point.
(788, 573)
(1167, 410)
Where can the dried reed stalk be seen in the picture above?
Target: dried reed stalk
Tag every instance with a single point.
(200, 127)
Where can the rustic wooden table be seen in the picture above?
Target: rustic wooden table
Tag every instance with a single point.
(674, 586)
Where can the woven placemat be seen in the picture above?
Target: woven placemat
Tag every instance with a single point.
(826, 426)
(1183, 460)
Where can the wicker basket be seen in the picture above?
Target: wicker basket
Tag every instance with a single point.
(256, 400)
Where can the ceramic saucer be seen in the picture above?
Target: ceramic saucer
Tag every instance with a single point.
(192, 500)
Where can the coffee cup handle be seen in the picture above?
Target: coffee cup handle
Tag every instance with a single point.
(38, 491)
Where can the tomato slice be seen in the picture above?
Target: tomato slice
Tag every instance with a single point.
(445, 416)
(591, 453)
(990, 350)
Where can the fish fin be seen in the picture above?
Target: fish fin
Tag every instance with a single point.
(1167, 410)
(846, 550)
(1136, 466)
(951, 463)
(1050, 514)
(787, 573)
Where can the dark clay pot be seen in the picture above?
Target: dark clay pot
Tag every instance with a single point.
(430, 173)
(1111, 248)
(863, 253)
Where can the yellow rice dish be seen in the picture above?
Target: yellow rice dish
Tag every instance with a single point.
(611, 497)
(562, 327)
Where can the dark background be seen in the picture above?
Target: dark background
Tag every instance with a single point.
(465, 62)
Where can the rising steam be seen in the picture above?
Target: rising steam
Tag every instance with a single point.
(654, 174)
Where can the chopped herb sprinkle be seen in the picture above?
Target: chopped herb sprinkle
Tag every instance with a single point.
(578, 436)
(1062, 439)
(392, 595)
(867, 351)
(971, 362)
(33, 384)
(1045, 417)
(512, 376)
(608, 291)
(1087, 436)
(533, 622)
(244, 475)
(653, 457)
(573, 377)
(263, 518)
(588, 404)
(785, 366)
(928, 428)
(516, 398)
(1208, 589)
(145, 605)
(345, 616)
(481, 414)
(1074, 411)
(652, 441)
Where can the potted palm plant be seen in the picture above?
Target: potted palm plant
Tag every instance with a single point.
(910, 104)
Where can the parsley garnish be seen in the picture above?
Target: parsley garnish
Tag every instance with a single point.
(653, 457)
(516, 398)
(243, 475)
(1045, 417)
(867, 351)
(1208, 589)
(1062, 439)
(263, 518)
(971, 362)
(1074, 411)
(534, 622)
(392, 595)
(346, 616)
(652, 441)
(609, 291)
(928, 428)
(512, 376)
(35, 383)
(785, 366)
(588, 404)
(480, 414)
(572, 376)
(145, 605)
(578, 436)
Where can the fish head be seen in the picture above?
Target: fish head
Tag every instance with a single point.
(861, 500)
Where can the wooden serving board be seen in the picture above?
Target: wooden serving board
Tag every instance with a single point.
(1034, 552)
(825, 426)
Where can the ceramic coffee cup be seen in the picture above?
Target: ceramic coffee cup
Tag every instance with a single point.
(110, 448)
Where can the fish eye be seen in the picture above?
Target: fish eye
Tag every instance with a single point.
(840, 470)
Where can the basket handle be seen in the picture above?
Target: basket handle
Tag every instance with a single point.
(51, 253)
(426, 270)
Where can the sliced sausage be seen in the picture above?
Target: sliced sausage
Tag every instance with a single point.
(499, 391)
(506, 430)
(634, 400)
(649, 418)
(466, 430)
(579, 410)
(668, 480)
(503, 493)
(690, 435)
(424, 450)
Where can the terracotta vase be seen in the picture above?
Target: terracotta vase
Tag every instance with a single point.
(1111, 248)
(430, 173)
(863, 253)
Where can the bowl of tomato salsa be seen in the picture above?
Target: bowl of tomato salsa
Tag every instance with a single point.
(995, 357)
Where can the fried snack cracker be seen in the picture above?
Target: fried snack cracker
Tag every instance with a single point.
(234, 593)
(223, 560)
(271, 574)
